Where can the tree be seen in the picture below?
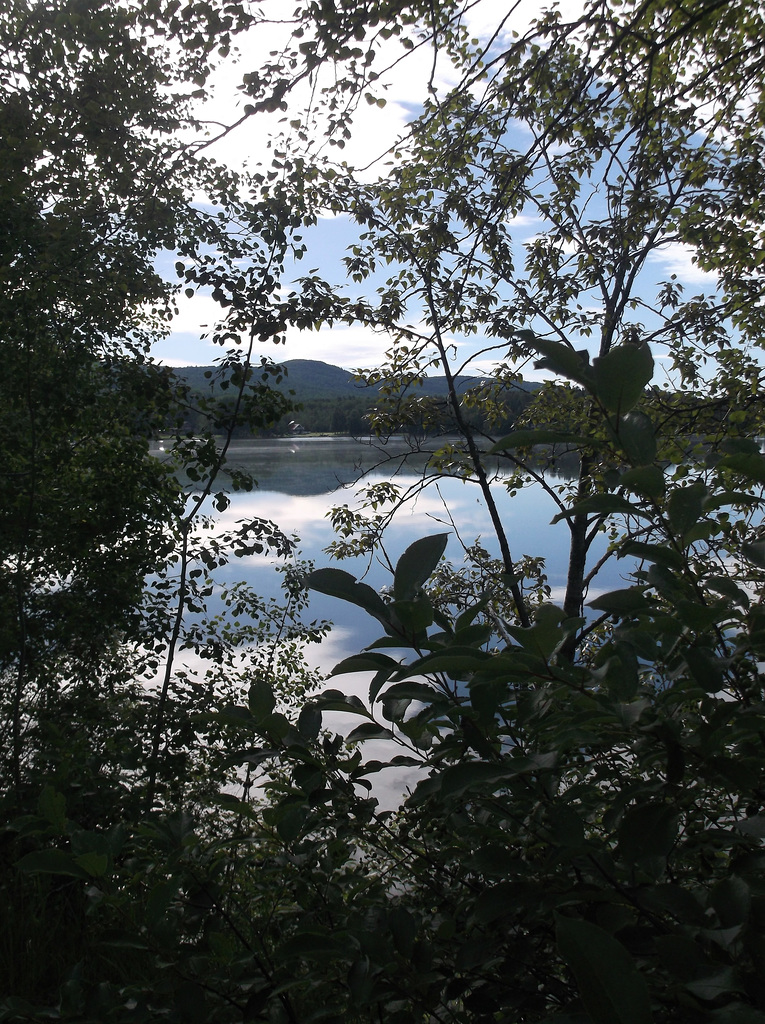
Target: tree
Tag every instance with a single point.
(584, 840)
(585, 844)
(95, 183)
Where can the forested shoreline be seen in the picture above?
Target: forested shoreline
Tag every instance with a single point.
(328, 400)
(573, 195)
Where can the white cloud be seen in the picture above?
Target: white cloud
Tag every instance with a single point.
(527, 222)
(350, 347)
(403, 83)
(676, 258)
(195, 314)
(375, 129)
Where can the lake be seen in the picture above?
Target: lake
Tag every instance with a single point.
(301, 479)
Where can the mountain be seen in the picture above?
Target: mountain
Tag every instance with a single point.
(312, 379)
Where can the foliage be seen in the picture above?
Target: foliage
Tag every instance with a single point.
(583, 840)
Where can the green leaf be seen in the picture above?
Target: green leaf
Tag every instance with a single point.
(394, 708)
(457, 779)
(412, 691)
(754, 826)
(621, 376)
(645, 480)
(750, 465)
(727, 587)
(412, 616)
(601, 504)
(473, 636)
(340, 584)
(309, 721)
(290, 824)
(684, 506)
(648, 831)
(754, 552)
(369, 661)
(52, 807)
(732, 899)
(122, 940)
(660, 554)
(611, 988)
(53, 862)
(736, 1013)
(94, 863)
(705, 668)
(622, 602)
(545, 633)
(505, 898)
(563, 360)
(737, 445)
(403, 928)
(261, 700)
(336, 700)
(369, 731)
(160, 898)
(454, 662)
(682, 904)
(720, 983)
(416, 565)
(528, 438)
(638, 438)
(311, 945)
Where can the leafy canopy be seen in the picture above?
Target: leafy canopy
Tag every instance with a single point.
(583, 838)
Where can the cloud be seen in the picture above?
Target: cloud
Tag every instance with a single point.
(676, 258)
(195, 314)
(349, 347)
(404, 82)
(374, 131)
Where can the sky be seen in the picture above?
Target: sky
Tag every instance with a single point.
(375, 130)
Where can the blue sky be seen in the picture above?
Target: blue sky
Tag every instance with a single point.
(375, 131)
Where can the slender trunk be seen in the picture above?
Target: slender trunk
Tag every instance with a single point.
(183, 587)
(573, 601)
(483, 482)
(18, 691)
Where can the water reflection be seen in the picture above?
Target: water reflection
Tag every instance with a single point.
(319, 465)
(301, 479)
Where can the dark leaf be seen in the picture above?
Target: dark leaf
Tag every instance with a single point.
(684, 506)
(611, 988)
(528, 438)
(637, 437)
(621, 376)
(601, 505)
(369, 731)
(309, 721)
(261, 700)
(416, 565)
(53, 862)
(340, 584)
(630, 601)
(647, 481)
(563, 360)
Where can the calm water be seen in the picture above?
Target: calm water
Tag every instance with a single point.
(301, 479)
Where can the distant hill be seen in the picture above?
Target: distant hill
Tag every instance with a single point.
(312, 379)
